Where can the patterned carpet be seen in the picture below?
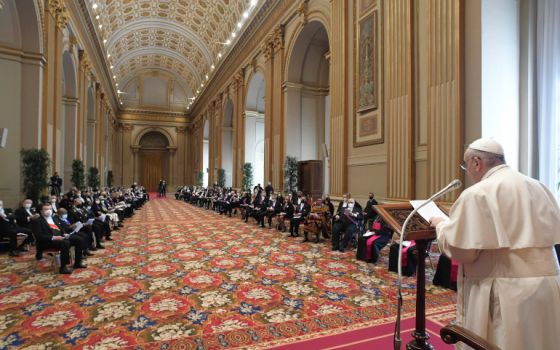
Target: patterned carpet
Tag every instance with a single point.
(177, 276)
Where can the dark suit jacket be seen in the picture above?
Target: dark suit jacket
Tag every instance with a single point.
(42, 230)
(23, 218)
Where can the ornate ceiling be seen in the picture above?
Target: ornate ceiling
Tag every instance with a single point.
(186, 38)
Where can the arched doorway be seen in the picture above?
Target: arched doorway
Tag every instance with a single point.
(205, 152)
(68, 126)
(254, 126)
(227, 141)
(307, 101)
(153, 159)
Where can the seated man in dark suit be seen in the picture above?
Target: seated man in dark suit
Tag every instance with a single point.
(302, 210)
(50, 235)
(25, 214)
(347, 224)
(9, 228)
(77, 229)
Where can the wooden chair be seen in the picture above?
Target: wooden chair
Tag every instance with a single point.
(453, 333)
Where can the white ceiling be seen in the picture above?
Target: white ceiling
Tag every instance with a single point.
(185, 38)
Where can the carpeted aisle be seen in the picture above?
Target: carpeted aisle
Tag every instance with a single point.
(178, 276)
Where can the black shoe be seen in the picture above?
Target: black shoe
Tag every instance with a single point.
(80, 265)
(333, 249)
(108, 239)
(23, 249)
(305, 240)
(88, 253)
(100, 246)
(317, 240)
(64, 270)
(13, 253)
(93, 248)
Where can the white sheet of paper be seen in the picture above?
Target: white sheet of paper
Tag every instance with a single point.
(89, 222)
(429, 210)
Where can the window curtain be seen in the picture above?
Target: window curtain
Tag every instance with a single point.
(548, 92)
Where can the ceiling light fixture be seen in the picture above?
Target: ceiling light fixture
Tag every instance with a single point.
(94, 6)
(112, 66)
(219, 55)
(246, 14)
(233, 35)
(100, 26)
(104, 41)
(239, 25)
(97, 17)
(254, 2)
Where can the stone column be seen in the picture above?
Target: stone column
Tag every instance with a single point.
(399, 112)
(172, 179)
(135, 163)
(180, 159)
(268, 50)
(239, 129)
(277, 121)
(338, 75)
(127, 157)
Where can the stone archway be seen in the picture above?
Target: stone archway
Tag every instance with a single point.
(307, 99)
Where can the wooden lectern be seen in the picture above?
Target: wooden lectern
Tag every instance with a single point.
(418, 230)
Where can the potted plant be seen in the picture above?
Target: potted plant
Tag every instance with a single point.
(93, 178)
(200, 178)
(78, 175)
(221, 177)
(247, 177)
(35, 164)
(290, 174)
(110, 178)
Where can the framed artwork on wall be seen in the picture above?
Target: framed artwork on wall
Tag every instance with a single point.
(368, 116)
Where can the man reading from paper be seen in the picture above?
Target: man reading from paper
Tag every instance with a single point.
(502, 231)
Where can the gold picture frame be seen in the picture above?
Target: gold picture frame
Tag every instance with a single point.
(368, 116)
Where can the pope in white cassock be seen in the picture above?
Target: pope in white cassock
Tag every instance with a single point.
(502, 231)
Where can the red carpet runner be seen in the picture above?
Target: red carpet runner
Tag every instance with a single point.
(178, 276)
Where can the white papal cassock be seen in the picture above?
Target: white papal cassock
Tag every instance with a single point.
(502, 231)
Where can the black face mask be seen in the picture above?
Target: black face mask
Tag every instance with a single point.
(370, 197)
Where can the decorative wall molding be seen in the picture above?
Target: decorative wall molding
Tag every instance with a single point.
(367, 160)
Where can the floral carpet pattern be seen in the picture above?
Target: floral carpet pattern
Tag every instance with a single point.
(178, 276)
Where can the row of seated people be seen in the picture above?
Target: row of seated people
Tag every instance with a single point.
(77, 219)
(264, 206)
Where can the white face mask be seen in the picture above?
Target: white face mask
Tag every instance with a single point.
(27, 206)
(47, 213)
(350, 205)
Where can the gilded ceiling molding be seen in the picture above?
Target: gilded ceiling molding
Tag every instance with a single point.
(278, 38)
(180, 129)
(303, 11)
(59, 12)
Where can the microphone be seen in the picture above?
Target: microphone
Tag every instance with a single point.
(453, 185)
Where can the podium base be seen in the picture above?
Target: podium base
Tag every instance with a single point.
(420, 342)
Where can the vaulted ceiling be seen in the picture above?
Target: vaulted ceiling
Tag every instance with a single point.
(185, 40)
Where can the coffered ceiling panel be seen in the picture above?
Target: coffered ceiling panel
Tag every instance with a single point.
(184, 37)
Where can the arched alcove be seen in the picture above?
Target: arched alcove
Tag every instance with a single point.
(227, 141)
(66, 132)
(307, 99)
(153, 149)
(254, 126)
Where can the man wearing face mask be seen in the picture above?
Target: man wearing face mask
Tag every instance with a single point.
(75, 229)
(347, 223)
(50, 235)
(369, 213)
(25, 214)
(10, 229)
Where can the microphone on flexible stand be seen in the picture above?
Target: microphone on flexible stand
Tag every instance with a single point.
(453, 185)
